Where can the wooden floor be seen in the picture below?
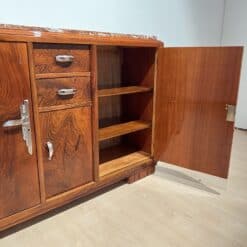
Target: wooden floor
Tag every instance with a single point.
(174, 207)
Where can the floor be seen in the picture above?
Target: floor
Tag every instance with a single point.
(173, 207)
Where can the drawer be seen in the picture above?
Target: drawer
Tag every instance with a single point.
(66, 137)
(63, 91)
(58, 58)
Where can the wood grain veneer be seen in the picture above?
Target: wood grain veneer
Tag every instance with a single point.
(48, 91)
(71, 135)
(36, 123)
(122, 129)
(193, 87)
(19, 182)
(131, 160)
(66, 197)
(45, 58)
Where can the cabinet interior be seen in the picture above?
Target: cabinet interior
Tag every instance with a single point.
(125, 97)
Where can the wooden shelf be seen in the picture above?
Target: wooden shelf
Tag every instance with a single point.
(122, 129)
(122, 90)
(128, 161)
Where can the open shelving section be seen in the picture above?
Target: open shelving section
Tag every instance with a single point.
(125, 98)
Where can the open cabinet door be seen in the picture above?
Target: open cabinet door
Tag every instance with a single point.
(193, 126)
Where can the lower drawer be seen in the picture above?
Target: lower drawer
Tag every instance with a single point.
(67, 149)
(63, 91)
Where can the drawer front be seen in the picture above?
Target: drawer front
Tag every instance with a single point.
(57, 58)
(67, 149)
(63, 91)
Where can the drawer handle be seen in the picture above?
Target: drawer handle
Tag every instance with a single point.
(50, 150)
(64, 58)
(66, 92)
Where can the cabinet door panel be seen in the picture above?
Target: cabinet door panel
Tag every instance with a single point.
(19, 183)
(193, 87)
(69, 132)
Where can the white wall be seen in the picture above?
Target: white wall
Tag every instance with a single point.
(235, 33)
(177, 22)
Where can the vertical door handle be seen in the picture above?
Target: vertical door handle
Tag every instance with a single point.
(24, 122)
(50, 150)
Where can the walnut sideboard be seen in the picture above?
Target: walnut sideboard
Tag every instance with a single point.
(83, 110)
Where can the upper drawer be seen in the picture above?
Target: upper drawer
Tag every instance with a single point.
(59, 58)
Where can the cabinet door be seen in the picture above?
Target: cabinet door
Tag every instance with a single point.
(67, 149)
(194, 87)
(19, 183)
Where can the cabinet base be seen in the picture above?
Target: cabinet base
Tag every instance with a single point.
(131, 174)
(141, 173)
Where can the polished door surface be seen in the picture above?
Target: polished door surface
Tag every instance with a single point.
(194, 87)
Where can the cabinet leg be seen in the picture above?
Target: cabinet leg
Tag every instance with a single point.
(141, 173)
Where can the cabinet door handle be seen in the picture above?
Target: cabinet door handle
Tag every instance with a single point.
(50, 150)
(12, 123)
(231, 112)
(24, 122)
(66, 92)
(64, 58)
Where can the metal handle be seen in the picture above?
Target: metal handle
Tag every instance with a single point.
(231, 112)
(64, 58)
(64, 92)
(24, 122)
(50, 150)
(12, 123)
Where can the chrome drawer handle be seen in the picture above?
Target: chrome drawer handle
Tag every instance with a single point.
(64, 58)
(65, 92)
(50, 150)
(24, 122)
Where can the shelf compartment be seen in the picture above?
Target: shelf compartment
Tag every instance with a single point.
(127, 161)
(123, 90)
(116, 151)
(122, 129)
